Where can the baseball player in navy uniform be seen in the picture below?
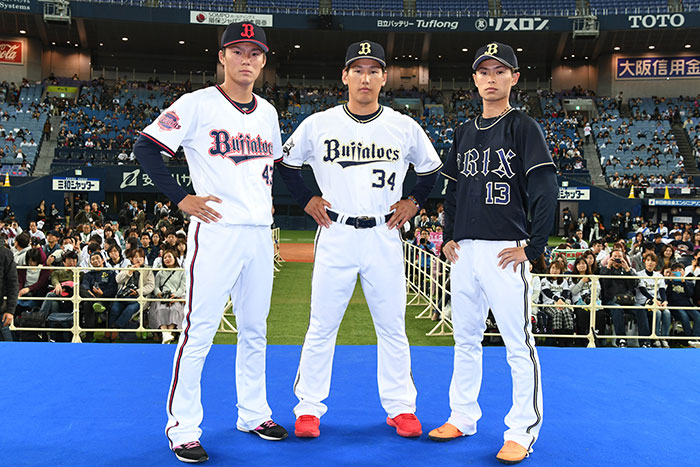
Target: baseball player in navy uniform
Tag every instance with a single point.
(231, 139)
(499, 170)
(359, 153)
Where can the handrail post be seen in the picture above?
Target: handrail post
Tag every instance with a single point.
(76, 306)
(593, 308)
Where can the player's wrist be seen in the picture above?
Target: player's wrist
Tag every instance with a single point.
(415, 202)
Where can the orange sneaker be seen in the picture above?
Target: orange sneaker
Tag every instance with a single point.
(511, 453)
(446, 432)
(306, 426)
(406, 424)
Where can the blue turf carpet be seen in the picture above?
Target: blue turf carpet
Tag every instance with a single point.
(103, 405)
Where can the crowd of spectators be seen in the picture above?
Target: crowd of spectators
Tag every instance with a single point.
(144, 236)
(669, 253)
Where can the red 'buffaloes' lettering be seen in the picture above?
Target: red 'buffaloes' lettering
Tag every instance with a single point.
(238, 148)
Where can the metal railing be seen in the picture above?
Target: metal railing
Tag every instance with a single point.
(427, 278)
(144, 302)
(227, 320)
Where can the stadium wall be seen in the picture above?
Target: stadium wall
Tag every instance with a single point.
(66, 62)
(566, 77)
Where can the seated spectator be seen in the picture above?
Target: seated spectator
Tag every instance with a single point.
(62, 284)
(617, 292)
(150, 250)
(20, 248)
(638, 259)
(169, 285)
(128, 282)
(645, 297)
(96, 285)
(581, 295)
(593, 264)
(115, 259)
(680, 293)
(667, 257)
(556, 293)
(34, 281)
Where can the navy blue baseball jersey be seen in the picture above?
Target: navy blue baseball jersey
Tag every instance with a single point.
(490, 161)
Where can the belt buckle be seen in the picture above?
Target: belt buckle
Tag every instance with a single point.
(362, 221)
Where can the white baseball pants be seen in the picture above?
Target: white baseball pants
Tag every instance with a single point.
(477, 284)
(222, 261)
(341, 252)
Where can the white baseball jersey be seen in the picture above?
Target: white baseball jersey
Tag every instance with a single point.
(360, 167)
(230, 150)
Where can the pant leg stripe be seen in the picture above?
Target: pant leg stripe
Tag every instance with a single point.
(298, 377)
(535, 366)
(186, 332)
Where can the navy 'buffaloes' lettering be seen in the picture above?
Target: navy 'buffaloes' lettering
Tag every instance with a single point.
(239, 148)
(355, 153)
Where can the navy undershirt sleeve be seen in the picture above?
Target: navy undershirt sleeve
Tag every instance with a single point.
(148, 154)
(295, 183)
(450, 209)
(542, 191)
(424, 185)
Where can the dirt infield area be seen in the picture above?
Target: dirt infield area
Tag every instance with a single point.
(297, 252)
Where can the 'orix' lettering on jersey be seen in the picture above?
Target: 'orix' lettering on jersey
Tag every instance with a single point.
(473, 162)
(239, 148)
(356, 153)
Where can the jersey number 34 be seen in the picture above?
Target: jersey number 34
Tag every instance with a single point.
(382, 180)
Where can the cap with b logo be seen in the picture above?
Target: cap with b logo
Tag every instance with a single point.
(236, 33)
(365, 49)
(496, 51)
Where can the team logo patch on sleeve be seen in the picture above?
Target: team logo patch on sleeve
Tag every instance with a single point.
(169, 121)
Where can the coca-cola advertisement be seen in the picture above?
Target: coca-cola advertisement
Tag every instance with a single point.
(11, 52)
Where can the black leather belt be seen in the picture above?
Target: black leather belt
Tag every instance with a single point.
(361, 222)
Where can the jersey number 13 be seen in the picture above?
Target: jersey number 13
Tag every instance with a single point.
(497, 193)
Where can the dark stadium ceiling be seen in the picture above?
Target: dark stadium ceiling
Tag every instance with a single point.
(320, 53)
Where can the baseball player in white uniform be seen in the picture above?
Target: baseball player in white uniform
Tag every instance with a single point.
(231, 139)
(498, 170)
(359, 153)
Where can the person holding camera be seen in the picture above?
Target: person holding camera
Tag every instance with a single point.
(128, 282)
(169, 285)
(617, 292)
(96, 285)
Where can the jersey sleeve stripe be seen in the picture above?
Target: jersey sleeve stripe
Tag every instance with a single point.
(290, 166)
(421, 174)
(165, 148)
(537, 166)
(447, 176)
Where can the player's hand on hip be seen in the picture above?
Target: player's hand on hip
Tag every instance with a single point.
(515, 255)
(197, 206)
(450, 249)
(403, 211)
(316, 208)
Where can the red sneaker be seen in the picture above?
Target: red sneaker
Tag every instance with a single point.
(306, 426)
(406, 424)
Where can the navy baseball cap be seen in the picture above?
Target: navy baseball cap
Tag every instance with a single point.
(236, 33)
(497, 51)
(365, 49)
